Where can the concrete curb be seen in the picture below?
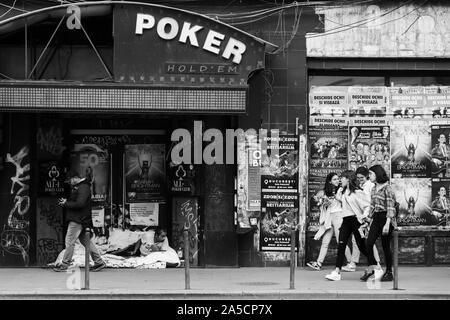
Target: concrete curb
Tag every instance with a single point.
(230, 295)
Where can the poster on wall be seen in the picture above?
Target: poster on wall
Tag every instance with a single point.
(437, 101)
(279, 194)
(367, 101)
(92, 163)
(182, 179)
(440, 204)
(411, 148)
(144, 214)
(369, 144)
(328, 101)
(248, 180)
(315, 192)
(440, 151)
(407, 102)
(98, 217)
(51, 179)
(328, 149)
(414, 197)
(145, 172)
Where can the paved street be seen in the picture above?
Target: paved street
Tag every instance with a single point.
(220, 283)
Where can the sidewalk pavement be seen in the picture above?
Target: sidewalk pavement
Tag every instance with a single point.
(220, 283)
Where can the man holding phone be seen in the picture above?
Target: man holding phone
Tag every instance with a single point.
(79, 216)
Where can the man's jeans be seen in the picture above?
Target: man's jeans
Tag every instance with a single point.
(73, 233)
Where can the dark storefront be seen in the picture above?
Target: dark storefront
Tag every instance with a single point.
(103, 97)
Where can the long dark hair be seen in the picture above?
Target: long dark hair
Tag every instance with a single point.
(380, 173)
(352, 181)
(330, 189)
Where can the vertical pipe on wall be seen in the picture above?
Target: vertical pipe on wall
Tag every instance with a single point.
(123, 192)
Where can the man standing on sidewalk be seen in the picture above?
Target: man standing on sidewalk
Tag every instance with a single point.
(79, 216)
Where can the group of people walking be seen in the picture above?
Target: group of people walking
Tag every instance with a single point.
(359, 205)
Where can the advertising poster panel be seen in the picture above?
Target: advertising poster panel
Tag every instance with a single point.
(367, 101)
(145, 173)
(279, 193)
(410, 149)
(369, 143)
(328, 101)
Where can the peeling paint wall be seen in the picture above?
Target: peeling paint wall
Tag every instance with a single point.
(387, 30)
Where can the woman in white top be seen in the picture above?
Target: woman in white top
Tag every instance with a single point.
(330, 218)
(355, 207)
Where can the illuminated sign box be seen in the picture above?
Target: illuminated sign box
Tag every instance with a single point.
(76, 97)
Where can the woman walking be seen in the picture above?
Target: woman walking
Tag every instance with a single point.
(355, 207)
(330, 218)
(382, 221)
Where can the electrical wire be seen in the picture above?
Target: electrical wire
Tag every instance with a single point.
(10, 8)
(357, 23)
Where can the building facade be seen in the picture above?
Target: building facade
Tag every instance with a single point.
(102, 86)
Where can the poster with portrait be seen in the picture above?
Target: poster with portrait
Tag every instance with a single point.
(328, 101)
(437, 101)
(328, 149)
(410, 149)
(367, 101)
(440, 202)
(440, 150)
(92, 163)
(414, 197)
(145, 173)
(407, 102)
(369, 143)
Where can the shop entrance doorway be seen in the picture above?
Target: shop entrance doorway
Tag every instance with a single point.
(127, 172)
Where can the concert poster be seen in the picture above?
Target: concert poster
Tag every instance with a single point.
(410, 149)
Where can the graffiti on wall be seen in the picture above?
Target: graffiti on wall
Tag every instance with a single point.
(50, 230)
(14, 238)
(50, 140)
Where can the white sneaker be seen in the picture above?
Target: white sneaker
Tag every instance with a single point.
(350, 267)
(333, 276)
(378, 274)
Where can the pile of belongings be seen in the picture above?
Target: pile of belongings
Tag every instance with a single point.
(126, 249)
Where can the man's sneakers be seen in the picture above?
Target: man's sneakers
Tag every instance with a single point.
(315, 265)
(98, 267)
(61, 268)
(333, 276)
(350, 267)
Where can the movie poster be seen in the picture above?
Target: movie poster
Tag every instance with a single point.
(328, 101)
(92, 163)
(440, 151)
(369, 144)
(414, 197)
(407, 102)
(145, 172)
(411, 148)
(440, 204)
(279, 192)
(367, 101)
(328, 150)
(437, 101)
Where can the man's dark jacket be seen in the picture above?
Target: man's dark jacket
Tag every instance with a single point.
(79, 205)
